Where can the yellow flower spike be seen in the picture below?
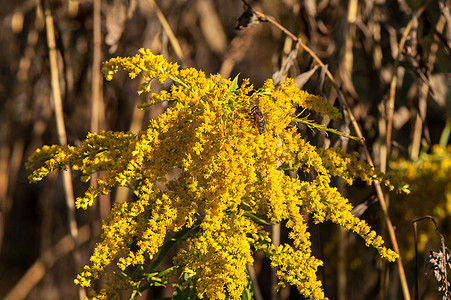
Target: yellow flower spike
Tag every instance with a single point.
(204, 174)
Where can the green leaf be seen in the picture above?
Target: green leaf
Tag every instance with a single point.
(233, 86)
(169, 243)
(247, 293)
(255, 218)
(312, 125)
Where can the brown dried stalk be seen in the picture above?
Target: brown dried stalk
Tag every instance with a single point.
(438, 261)
(58, 105)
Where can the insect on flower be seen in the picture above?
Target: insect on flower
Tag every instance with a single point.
(257, 115)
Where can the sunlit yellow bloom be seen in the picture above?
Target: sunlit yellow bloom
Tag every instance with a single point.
(230, 182)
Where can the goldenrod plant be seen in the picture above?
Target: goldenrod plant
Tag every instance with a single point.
(231, 184)
(429, 178)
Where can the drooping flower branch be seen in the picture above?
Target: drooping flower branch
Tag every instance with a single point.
(230, 183)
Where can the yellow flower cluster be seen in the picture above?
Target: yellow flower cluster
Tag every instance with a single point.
(430, 180)
(349, 167)
(230, 182)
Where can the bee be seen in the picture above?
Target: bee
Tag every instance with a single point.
(257, 115)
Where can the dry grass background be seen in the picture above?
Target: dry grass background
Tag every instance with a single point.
(394, 81)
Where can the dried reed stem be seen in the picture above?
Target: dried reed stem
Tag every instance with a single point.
(390, 107)
(58, 106)
(174, 42)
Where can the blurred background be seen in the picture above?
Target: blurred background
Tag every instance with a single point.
(391, 60)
